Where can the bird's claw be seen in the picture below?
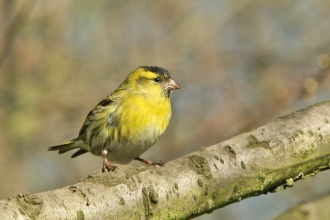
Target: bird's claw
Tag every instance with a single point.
(148, 162)
(107, 166)
(160, 163)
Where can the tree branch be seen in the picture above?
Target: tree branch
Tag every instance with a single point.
(275, 155)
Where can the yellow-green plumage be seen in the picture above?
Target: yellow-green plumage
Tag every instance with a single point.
(130, 120)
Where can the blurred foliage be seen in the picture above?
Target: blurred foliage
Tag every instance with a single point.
(241, 64)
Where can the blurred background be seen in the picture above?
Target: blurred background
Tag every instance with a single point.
(241, 64)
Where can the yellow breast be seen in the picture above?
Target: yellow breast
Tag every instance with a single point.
(142, 120)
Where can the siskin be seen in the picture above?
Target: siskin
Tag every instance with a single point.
(128, 121)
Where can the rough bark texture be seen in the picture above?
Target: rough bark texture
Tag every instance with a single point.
(275, 155)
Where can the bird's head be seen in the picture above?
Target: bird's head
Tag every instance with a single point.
(152, 81)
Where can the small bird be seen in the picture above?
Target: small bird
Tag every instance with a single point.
(128, 121)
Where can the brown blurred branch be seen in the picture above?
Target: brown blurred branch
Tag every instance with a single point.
(314, 209)
(275, 155)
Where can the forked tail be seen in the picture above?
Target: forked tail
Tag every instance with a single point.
(70, 145)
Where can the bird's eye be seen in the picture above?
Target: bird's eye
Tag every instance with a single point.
(157, 79)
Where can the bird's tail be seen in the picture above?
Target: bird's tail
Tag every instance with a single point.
(70, 145)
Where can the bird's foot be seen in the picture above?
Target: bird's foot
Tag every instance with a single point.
(149, 163)
(107, 166)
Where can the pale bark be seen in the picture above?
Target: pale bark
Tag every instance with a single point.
(275, 155)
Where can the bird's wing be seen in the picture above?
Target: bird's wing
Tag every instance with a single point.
(109, 100)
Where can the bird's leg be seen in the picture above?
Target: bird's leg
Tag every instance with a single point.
(148, 162)
(106, 164)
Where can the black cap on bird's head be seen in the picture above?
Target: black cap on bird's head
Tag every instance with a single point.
(164, 75)
(156, 69)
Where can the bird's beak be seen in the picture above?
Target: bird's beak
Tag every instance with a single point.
(171, 85)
